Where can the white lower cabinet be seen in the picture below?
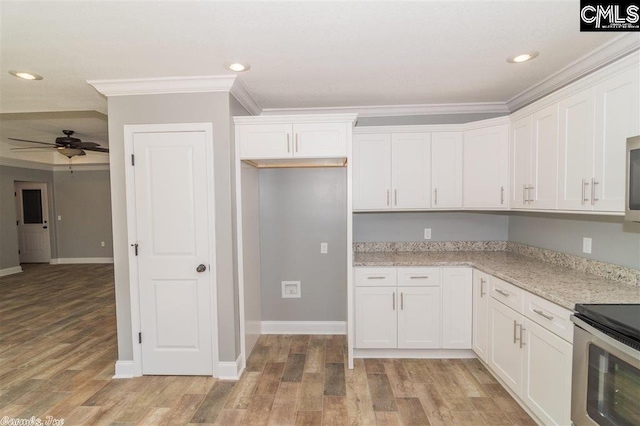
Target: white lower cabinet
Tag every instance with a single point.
(505, 352)
(546, 379)
(419, 318)
(376, 317)
(457, 308)
(480, 314)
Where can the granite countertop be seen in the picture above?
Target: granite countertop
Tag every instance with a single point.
(561, 285)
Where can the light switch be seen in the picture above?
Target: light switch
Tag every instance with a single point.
(59, 217)
(324, 248)
(586, 245)
(101, 243)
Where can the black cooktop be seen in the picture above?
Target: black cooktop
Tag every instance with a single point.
(620, 318)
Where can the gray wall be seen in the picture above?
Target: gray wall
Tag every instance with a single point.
(426, 119)
(83, 199)
(175, 108)
(299, 209)
(9, 257)
(613, 239)
(445, 226)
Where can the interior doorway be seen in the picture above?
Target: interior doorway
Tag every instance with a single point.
(32, 208)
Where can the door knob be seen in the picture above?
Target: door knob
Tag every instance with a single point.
(201, 268)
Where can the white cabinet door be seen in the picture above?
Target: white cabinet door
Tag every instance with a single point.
(376, 317)
(521, 153)
(486, 168)
(546, 382)
(505, 354)
(446, 170)
(371, 171)
(617, 116)
(411, 170)
(320, 140)
(263, 141)
(419, 317)
(575, 154)
(480, 314)
(457, 308)
(543, 191)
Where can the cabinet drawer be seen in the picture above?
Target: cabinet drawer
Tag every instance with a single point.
(419, 277)
(375, 277)
(554, 318)
(508, 294)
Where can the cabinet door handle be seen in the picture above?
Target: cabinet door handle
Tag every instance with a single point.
(594, 182)
(395, 196)
(419, 277)
(529, 198)
(296, 142)
(402, 301)
(388, 197)
(502, 195)
(522, 330)
(584, 190)
(288, 144)
(542, 314)
(524, 194)
(502, 292)
(515, 324)
(393, 304)
(482, 292)
(435, 196)
(375, 278)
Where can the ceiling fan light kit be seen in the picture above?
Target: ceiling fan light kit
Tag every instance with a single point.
(66, 145)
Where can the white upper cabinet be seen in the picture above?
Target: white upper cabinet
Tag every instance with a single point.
(265, 141)
(534, 146)
(411, 170)
(446, 170)
(486, 168)
(371, 171)
(617, 116)
(313, 140)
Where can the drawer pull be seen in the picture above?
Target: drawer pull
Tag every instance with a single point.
(502, 292)
(419, 277)
(393, 304)
(375, 278)
(542, 314)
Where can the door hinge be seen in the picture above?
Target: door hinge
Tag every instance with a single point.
(139, 337)
(133, 160)
(15, 194)
(135, 248)
(17, 223)
(18, 251)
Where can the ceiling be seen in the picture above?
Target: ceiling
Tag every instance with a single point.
(302, 54)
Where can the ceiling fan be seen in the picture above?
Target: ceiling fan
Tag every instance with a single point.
(66, 145)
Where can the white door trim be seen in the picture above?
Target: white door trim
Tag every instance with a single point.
(129, 131)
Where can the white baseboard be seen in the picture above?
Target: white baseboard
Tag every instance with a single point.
(77, 260)
(230, 370)
(10, 271)
(414, 353)
(304, 327)
(124, 370)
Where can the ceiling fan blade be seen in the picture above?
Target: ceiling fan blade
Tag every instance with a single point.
(87, 144)
(26, 140)
(32, 147)
(96, 149)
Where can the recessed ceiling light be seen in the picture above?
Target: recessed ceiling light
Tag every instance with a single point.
(237, 66)
(25, 75)
(524, 57)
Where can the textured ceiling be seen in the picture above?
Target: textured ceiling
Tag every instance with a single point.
(302, 54)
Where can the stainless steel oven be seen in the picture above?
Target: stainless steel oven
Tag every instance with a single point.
(632, 199)
(606, 366)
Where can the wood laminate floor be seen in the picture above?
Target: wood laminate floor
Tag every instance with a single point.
(58, 348)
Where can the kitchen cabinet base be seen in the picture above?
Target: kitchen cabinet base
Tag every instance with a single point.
(414, 353)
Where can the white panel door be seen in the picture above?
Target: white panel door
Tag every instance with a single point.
(172, 223)
(263, 141)
(34, 240)
(521, 153)
(376, 317)
(371, 171)
(419, 318)
(457, 308)
(546, 382)
(544, 167)
(505, 355)
(481, 314)
(320, 140)
(446, 170)
(486, 168)
(575, 154)
(411, 170)
(617, 117)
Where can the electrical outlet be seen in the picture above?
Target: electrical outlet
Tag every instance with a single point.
(101, 243)
(59, 217)
(427, 233)
(324, 248)
(586, 245)
(291, 289)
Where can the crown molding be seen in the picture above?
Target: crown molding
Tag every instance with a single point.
(296, 118)
(610, 52)
(428, 128)
(36, 165)
(164, 85)
(242, 95)
(397, 110)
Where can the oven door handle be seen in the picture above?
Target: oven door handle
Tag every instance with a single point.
(627, 350)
